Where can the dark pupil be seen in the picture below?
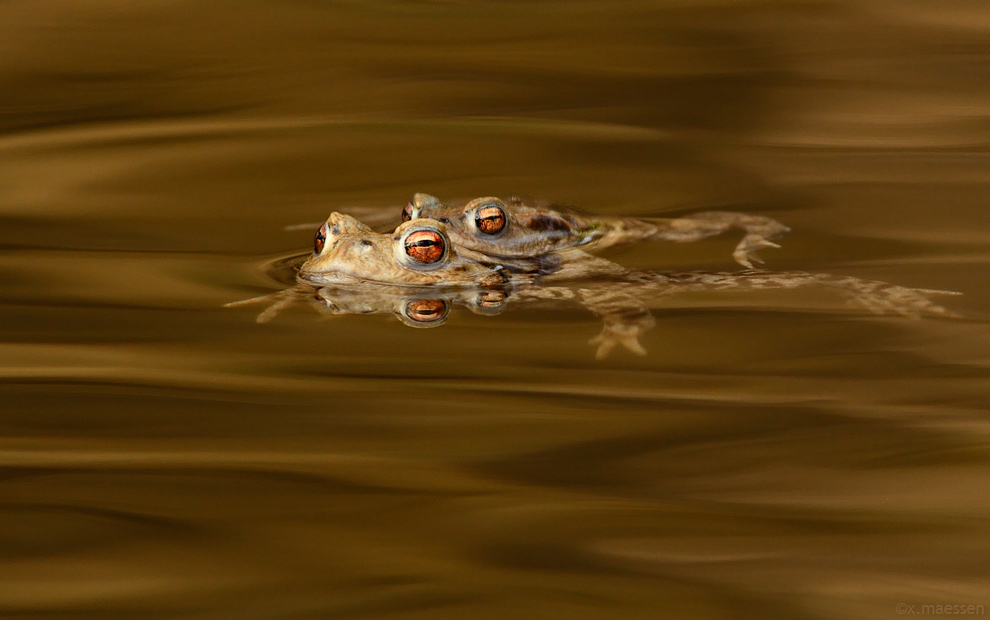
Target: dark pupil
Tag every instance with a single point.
(425, 246)
(490, 220)
(318, 241)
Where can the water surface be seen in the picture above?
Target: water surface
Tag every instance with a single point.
(774, 455)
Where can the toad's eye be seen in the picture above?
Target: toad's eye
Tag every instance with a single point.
(426, 310)
(490, 219)
(407, 212)
(426, 246)
(320, 239)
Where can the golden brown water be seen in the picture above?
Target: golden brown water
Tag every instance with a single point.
(772, 457)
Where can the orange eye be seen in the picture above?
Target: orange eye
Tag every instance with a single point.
(320, 239)
(407, 212)
(426, 310)
(426, 246)
(490, 219)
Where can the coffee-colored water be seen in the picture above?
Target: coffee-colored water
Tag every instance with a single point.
(773, 456)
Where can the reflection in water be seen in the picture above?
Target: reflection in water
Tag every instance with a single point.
(622, 301)
(775, 455)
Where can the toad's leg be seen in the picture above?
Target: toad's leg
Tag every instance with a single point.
(878, 297)
(759, 231)
(624, 315)
(276, 301)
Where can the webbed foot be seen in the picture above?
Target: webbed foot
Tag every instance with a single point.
(745, 252)
(759, 231)
(914, 303)
(620, 333)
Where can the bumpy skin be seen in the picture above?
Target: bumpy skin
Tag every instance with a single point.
(352, 253)
(532, 229)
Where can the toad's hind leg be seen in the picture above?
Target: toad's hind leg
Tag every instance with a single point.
(884, 298)
(759, 231)
(624, 318)
(881, 298)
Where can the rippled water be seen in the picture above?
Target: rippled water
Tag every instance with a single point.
(775, 455)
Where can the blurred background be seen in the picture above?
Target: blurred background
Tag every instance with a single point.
(166, 457)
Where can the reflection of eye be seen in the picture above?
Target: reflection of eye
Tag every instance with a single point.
(490, 219)
(426, 310)
(491, 299)
(426, 246)
(320, 239)
(490, 302)
(407, 212)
